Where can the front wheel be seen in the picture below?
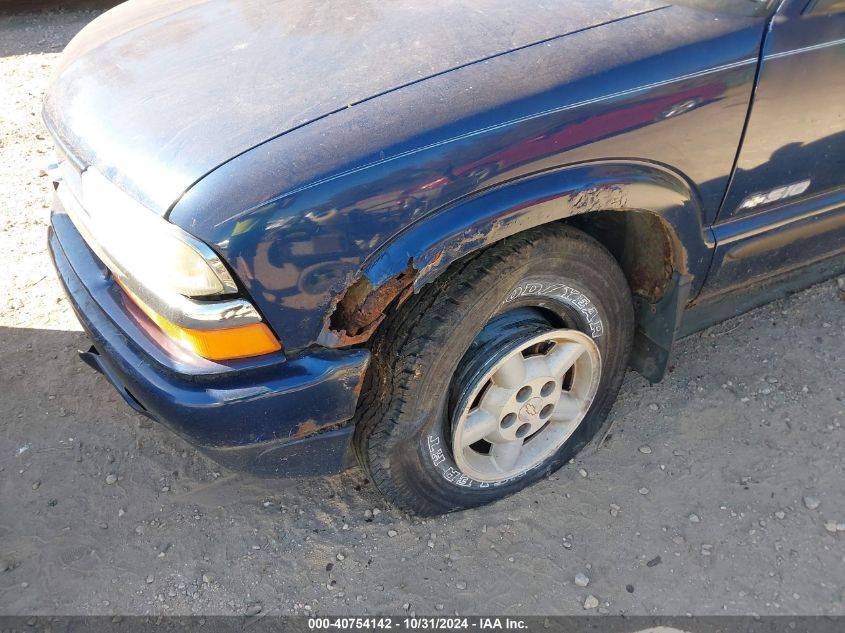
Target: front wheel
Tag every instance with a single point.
(496, 374)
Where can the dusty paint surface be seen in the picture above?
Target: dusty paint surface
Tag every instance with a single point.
(747, 424)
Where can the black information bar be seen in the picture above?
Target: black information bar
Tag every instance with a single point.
(405, 623)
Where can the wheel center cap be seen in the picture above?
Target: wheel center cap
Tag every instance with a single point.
(530, 410)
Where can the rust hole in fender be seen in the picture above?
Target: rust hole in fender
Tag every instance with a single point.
(362, 307)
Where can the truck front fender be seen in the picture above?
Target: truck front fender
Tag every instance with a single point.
(423, 250)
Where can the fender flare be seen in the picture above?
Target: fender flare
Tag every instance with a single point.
(421, 251)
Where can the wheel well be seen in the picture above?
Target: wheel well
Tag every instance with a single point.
(640, 242)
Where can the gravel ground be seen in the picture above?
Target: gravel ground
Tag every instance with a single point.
(719, 491)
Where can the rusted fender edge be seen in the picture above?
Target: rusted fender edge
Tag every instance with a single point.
(361, 308)
(423, 250)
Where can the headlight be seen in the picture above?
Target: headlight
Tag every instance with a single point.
(142, 245)
(163, 270)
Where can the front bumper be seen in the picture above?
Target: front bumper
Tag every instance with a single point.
(270, 415)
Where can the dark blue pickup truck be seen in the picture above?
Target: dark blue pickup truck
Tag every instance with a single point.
(433, 235)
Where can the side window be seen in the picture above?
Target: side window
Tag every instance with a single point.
(825, 7)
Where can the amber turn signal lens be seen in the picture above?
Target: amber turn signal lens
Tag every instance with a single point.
(223, 344)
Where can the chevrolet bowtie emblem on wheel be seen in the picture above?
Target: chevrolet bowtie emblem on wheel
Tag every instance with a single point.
(781, 193)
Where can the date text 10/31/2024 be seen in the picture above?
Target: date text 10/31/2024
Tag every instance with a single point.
(417, 623)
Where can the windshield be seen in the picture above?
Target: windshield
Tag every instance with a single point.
(737, 7)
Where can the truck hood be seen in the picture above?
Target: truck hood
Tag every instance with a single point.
(157, 93)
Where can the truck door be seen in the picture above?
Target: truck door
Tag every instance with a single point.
(785, 205)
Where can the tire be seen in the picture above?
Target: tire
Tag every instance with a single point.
(552, 279)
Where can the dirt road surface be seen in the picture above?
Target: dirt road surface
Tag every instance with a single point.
(719, 491)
